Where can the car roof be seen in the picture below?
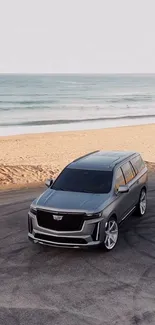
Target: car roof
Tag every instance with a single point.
(101, 160)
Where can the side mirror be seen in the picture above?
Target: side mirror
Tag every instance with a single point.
(49, 182)
(123, 189)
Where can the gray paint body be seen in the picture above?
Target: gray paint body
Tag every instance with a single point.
(102, 205)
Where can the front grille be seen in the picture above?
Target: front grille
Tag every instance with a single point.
(69, 222)
(62, 240)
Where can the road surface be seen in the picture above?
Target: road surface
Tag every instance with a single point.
(54, 286)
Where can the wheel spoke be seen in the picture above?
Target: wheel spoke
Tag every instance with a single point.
(113, 238)
(143, 197)
(112, 226)
(107, 236)
(114, 232)
(109, 242)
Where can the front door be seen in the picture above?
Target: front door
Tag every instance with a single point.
(125, 201)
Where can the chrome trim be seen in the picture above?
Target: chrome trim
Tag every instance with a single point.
(98, 229)
(56, 246)
(128, 213)
(46, 208)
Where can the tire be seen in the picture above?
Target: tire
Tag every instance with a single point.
(111, 234)
(142, 204)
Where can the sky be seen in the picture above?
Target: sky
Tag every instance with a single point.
(77, 36)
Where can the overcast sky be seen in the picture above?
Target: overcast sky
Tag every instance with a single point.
(82, 36)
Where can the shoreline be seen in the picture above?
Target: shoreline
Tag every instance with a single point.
(28, 160)
(50, 133)
(93, 124)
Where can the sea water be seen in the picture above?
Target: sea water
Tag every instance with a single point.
(46, 103)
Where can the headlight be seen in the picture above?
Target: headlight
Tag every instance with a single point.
(94, 215)
(33, 210)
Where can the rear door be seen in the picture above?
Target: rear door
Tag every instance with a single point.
(130, 180)
(141, 177)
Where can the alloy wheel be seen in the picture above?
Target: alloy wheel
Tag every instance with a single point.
(142, 202)
(111, 234)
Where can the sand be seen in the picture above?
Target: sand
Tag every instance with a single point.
(30, 159)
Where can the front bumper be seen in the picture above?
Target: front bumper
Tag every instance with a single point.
(91, 234)
(58, 244)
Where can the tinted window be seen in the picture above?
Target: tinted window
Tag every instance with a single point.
(88, 181)
(119, 179)
(138, 164)
(128, 172)
(133, 170)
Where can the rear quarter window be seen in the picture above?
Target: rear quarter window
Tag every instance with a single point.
(138, 164)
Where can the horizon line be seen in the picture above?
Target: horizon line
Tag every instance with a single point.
(77, 73)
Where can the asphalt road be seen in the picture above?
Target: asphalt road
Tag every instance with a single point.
(45, 285)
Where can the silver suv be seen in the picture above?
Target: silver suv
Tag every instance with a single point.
(85, 204)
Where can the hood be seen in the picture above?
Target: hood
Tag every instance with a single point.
(72, 201)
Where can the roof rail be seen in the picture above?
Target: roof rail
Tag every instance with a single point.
(116, 162)
(88, 154)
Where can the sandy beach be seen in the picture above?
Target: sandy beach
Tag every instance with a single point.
(30, 159)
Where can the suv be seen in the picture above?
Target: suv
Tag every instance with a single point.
(85, 204)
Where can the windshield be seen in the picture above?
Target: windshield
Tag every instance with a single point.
(88, 181)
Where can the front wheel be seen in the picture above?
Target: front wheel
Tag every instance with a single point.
(141, 206)
(111, 234)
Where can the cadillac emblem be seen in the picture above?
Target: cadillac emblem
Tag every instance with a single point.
(57, 217)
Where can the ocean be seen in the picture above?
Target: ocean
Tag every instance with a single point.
(49, 103)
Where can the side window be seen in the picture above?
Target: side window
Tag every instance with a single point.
(133, 170)
(119, 179)
(128, 172)
(138, 164)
